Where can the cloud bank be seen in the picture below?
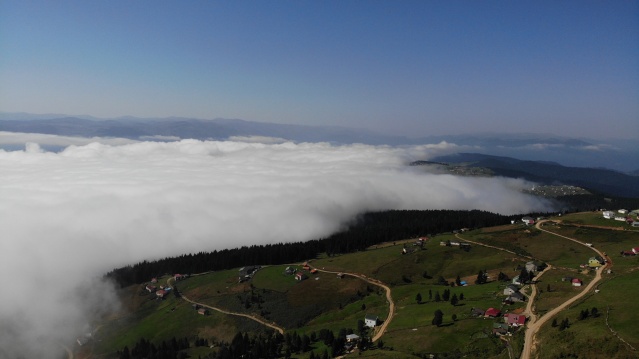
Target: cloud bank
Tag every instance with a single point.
(68, 217)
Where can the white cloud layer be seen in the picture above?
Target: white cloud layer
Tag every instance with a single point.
(70, 216)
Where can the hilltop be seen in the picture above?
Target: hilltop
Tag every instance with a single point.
(423, 277)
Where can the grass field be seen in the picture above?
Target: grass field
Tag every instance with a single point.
(324, 301)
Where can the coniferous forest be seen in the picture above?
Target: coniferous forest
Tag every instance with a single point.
(367, 230)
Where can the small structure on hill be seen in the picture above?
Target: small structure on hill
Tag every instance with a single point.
(576, 282)
(300, 276)
(371, 320)
(492, 313)
(246, 273)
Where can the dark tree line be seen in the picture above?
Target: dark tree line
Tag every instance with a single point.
(369, 229)
(144, 349)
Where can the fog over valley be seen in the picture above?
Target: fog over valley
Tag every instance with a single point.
(69, 217)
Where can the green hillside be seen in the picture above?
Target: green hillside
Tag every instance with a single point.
(325, 302)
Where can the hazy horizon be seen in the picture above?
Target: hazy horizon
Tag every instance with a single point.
(412, 68)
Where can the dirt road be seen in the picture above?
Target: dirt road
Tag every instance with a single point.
(533, 327)
(252, 317)
(389, 298)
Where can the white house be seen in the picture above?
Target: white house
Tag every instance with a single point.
(620, 218)
(371, 320)
(623, 211)
(528, 220)
(608, 214)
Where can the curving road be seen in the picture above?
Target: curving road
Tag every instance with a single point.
(389, 298)
(252, 317)
(533, 327)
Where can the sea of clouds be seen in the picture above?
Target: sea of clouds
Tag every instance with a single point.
(68, 217)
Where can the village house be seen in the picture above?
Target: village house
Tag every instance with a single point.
(595, 262)
(151, 288)
(516, 281)
(576, 282)
(492, 313)
(535, 267)
(635, 250)
(246, 273)
(510, 289)
(371, 320)
(608, 214)
(203, 311)
(154, 280)
(620, 218)
(500, 329)
(300, 276)
(161, 293)
(516, 298)
(528, 220)
(477, 312)
(352, 338)
(514, 320)
(289, 270)
(178, 277)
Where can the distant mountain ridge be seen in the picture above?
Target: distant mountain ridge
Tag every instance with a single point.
(596, 179)
(617, 154)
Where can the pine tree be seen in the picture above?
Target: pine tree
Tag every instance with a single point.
(458, 281)
(438, 319)
(418, 298)
(454, 300)
(437, 297)
(554, 323)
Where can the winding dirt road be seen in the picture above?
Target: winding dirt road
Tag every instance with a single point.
(389, 299)
(252, 317)
(533, 326)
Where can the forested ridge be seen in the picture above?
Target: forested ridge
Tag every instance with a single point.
(369, 229)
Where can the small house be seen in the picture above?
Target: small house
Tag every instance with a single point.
(514, 320)
(500, 329)
(477, 312)
(203, 311)
(608, 214)
(635, 223)
(492, 312)
(154, 280)
(622, 211)
(161, 293)
(528, 220)
(516, 297)
(340, 275)
(635, 250)
(314, 271)
(516, 281)
(151, 288)
(620, 218)
(246, 273)
(576, 282)
(350, 338)
(178, 277)
(300, 276)
(371, 320)
(595, 262)
(510, 289)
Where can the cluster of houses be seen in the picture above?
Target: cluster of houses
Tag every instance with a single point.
(246, 273)
(632, 252)
(300, 275)
(511, 322)
(622, 215)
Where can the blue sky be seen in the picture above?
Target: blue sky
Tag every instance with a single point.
(412, 68)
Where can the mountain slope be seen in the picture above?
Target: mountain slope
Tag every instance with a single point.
(596, 179)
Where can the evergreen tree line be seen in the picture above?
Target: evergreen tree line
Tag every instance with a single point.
(144, 349)
(266, 346)
(369, 229)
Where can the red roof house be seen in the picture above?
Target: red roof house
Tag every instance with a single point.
(635, 250)
(178, 277)
(576, 282)
(515, 320)
(161, 293)
(492, 312)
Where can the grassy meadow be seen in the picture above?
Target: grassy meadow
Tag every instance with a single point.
(325, 301)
